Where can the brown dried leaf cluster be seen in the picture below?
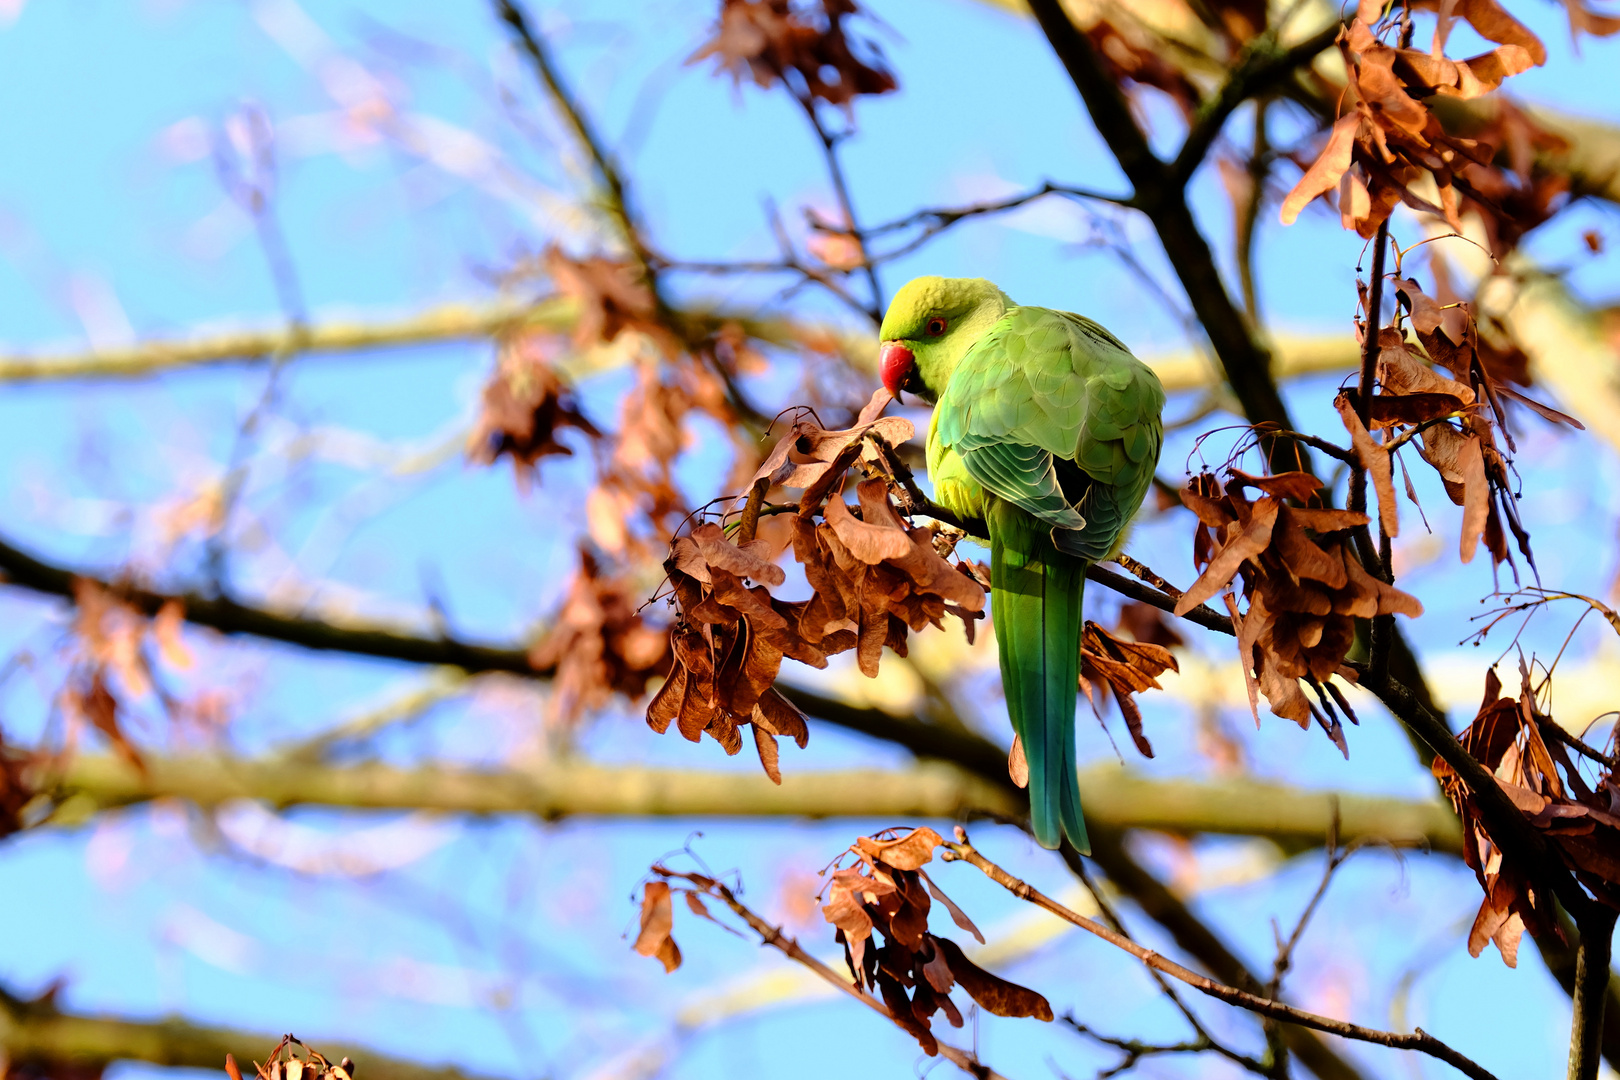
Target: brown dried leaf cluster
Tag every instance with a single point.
(1392, 138)
(805, 46)
(110, 664)
(525, 408)
(1455, 420)
(1581, 821)
(1304, 585)
(729, 645)
(912, 970)
(613, 296)
(285, 1064)
(1110, 664)
(873, 577)
(16, 791)
(599, 644)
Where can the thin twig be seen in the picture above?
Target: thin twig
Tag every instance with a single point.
(617, 195)
(1111, 917)
(774, 937)
(1419, 1040)
(835, 170)
(1285, 950)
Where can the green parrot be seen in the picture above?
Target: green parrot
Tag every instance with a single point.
(1048, 429)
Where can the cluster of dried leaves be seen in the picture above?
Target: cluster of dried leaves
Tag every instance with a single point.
(873, 578)
(599, 644)
(525, 408)
(887, 891)
(112, 661)
(1303, 583)
(1112, 666)
(1453, 420)
(1391, 139)
(805, 46)
(285, 1064)
(1581, 820)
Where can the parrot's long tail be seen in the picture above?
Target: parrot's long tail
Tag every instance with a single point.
(1035, 594)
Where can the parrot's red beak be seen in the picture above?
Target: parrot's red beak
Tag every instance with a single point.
(897, 366)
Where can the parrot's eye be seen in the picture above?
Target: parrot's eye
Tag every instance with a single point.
(935, 327)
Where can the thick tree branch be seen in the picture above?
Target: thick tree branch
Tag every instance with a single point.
(36, 1033)
(227, 616)
(1592, 980)
(1263, 65)
(1295, 819)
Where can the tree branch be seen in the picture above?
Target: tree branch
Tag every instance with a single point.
(35, 1032)
(229, 617)
(1511, 831)
(1263, 65)
(787, 946)
(1116, 799)
(1189, 932)
(1419, 1040)
(616, 195)
(1592, 979)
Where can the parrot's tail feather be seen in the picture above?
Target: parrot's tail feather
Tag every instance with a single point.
(1035, 603)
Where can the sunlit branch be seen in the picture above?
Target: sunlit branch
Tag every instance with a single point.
(1116, 799)
(773, 936)
(1420, 1040)
(36, 1033)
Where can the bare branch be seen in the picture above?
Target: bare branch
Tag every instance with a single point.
(1419, 1040)
(35, 1032)
(773, 936)
(1115, 799)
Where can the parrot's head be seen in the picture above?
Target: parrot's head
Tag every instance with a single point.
(931, 323)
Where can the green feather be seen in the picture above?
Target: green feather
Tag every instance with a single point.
(1035, 603)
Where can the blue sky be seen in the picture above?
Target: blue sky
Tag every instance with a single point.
(113, 223)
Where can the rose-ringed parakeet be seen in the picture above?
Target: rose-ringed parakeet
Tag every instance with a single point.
(1048, 429)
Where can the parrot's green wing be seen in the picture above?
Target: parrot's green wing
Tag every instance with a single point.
(1052, 413)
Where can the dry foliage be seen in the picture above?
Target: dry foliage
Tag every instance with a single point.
(1454, 420)
(873, 578)
(1582, 821)
(1377, 152)
(285, 1064)
(1110, 664)
(1304, 584)
(525, 409)
(599, 644)
(886, 891)
(805, 46)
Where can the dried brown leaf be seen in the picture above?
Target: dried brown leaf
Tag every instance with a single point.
(1324, 173)
(1375, 459)
(657, 920)
(907, 852)
(1249, 541)
(993, 993)
(769, 752)
(958, 916)
(870, 542)
(1017, 763)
